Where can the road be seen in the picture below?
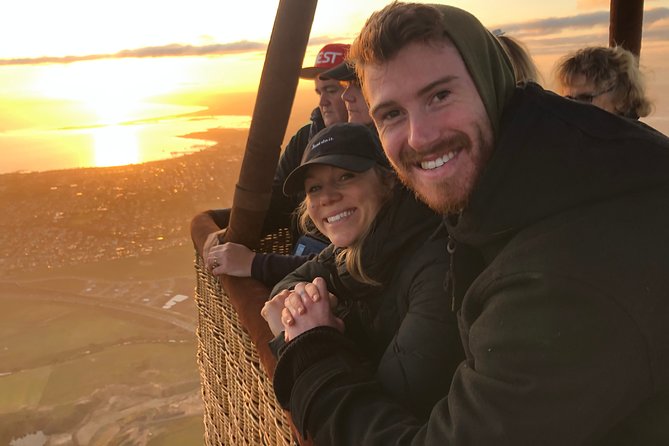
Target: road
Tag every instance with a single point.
(15, 290)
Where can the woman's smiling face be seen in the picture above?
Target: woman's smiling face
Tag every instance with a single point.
(341, 203)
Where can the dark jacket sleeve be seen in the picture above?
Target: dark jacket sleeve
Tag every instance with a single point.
(316, 267)
(543, 353)
(220, 216)
(279, 213)
(281, 207)
(277, 343)
(270, 268)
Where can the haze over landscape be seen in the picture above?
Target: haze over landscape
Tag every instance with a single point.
(110, 141)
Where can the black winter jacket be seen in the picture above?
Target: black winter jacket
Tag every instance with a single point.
(393, 326)
(561, 276)
(279, 214)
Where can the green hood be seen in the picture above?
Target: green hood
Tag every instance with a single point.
(485, 59)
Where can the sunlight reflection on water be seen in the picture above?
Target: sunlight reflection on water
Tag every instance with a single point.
(109, 145)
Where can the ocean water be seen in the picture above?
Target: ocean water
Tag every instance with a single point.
(39, 149)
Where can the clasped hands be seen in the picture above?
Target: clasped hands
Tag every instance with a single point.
(306, 306)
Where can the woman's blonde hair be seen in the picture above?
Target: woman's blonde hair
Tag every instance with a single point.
(524, 68)
(609, 68)
(351, 256)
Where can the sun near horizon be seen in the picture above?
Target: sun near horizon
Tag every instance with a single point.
(80, 92)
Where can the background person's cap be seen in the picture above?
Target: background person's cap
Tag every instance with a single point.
(329, 56)
(348, 146)
(342, 72)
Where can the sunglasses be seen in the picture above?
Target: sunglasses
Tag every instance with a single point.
(588, 97)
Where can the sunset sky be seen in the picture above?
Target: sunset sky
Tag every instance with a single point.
(89, 63)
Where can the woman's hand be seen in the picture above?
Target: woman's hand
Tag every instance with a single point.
(272, 309)
(211, 241)
(230, 258)
(307, 307)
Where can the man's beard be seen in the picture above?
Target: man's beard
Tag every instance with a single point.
(447, 195)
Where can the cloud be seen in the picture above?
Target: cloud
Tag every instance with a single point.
(172, 50)
(558, 35)
(577, 22)
(657, 34)
(324, 40)
(541, 32)
(654, 15)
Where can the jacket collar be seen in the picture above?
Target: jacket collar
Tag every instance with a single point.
(399, 228)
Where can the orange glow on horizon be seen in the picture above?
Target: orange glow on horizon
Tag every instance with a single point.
(87, 107)
(112, 89)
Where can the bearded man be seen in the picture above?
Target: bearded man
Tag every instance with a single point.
(557, 213)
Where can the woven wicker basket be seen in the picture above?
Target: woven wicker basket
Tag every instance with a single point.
(240, 407)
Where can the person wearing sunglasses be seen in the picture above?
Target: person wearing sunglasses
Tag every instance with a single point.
(608, 78)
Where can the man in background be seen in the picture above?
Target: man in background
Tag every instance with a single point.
(356, 106)
(208, 227)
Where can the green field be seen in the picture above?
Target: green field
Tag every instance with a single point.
(180, 433)
(68, 362)
(35, 333)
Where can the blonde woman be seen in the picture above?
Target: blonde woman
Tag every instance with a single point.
(384, 269)
(524, 68)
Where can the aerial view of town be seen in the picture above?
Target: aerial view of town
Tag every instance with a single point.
(97, 329)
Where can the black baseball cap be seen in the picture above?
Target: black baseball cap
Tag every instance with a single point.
(342, 72)
(348, 146)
